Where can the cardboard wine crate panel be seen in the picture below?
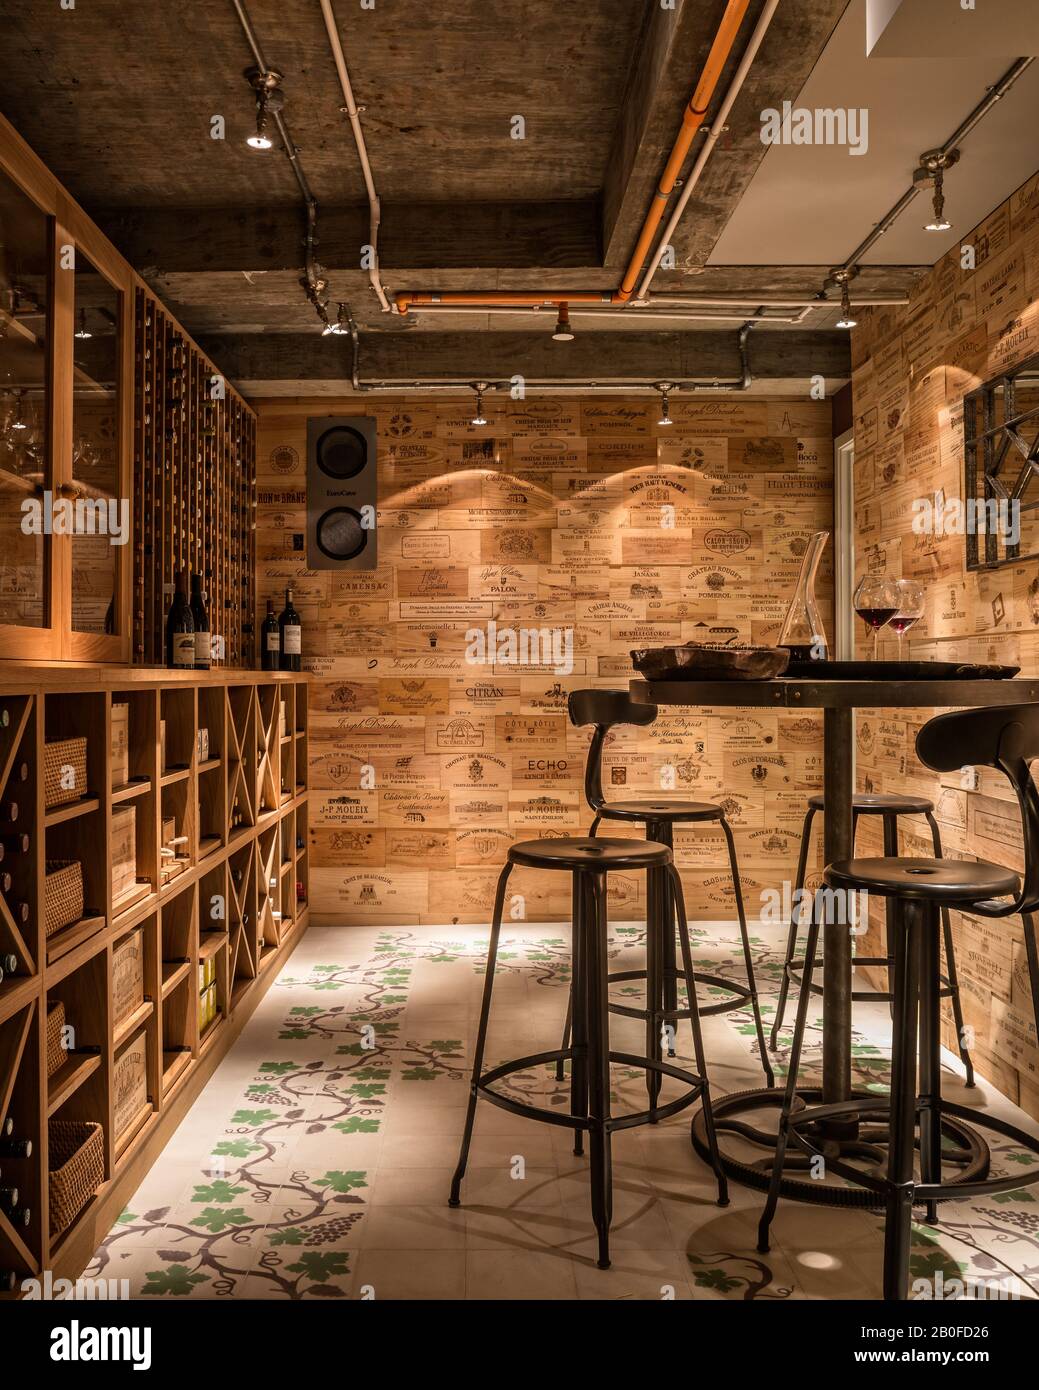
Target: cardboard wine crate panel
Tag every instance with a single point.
(912, 369)
(584, 519)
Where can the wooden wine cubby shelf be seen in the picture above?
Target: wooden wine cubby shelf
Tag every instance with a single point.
(240, 901)
(194, 477)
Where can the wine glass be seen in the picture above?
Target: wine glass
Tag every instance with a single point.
(910, 608)
(876, 602)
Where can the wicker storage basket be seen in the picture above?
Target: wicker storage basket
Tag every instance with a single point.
(77, 1168)
(56, 1054)
(62, 894)
(67, 752)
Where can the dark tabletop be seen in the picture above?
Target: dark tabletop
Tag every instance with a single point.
(836, 694)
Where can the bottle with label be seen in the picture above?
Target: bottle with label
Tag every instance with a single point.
(199, 616)
(180, 630)
(270, 641)
(291, 631)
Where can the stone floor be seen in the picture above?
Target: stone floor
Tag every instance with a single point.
(317, 1161)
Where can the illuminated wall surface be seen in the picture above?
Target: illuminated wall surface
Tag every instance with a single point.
(582, 519)
(912, 369)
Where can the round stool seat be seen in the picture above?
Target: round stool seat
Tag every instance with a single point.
(662, 809)
(877, 803)
(924, 880)
(582, 852)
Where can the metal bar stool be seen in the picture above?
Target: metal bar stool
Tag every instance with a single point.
(605, 709)
(589, 861)
(890, 806)
(1005, 738)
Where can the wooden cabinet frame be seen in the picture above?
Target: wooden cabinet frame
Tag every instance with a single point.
(70, 227)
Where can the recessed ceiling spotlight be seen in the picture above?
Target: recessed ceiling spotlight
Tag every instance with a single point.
(563, 332)
(83, 331)
(665, 388)
(931, 174)
(842, 278)
(479, 418)
(268, 101)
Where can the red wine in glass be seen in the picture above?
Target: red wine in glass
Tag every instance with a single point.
(876, 618)
(901, 623)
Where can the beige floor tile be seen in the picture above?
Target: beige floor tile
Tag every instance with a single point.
(410, 1274)
(391, 1227)
(519, 1274)
(411, 1187)
(636, 1275)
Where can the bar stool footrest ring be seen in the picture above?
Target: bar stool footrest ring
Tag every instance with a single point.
(482, 1086)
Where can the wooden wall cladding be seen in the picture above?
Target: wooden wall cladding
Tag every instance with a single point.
(426, 767)
(912, 368)
(194, 488)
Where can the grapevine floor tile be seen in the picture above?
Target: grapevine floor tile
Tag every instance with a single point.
(318, 1160)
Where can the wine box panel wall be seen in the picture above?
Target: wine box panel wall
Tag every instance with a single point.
(194, 489)
(581, 518)
(154, 871)
(912, 368)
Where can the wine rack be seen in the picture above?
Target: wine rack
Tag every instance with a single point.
(194, 489)
(207, 938)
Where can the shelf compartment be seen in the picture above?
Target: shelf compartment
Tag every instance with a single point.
(177, 731)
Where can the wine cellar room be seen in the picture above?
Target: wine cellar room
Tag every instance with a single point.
(488, 517)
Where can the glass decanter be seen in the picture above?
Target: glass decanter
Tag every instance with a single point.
(803, 631)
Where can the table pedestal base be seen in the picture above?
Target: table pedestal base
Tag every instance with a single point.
(734, 1116)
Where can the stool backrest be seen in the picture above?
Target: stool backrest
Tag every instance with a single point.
(604, 709)
(1004, 737)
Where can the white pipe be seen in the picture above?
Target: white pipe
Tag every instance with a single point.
(739, 77)
(375, 210)
(520, 311)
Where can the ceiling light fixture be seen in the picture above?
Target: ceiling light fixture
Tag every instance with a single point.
(843, 277)
(341, 327)
(665, 388)
(269, 102)
(931, 174)
(479, 387)
(83, 331)
(563, 332)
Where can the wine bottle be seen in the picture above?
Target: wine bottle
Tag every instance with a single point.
(19, 911)
(270, 640)
(8, 812)
(203, 639)
(15, 1148)
(180, 630)
(8, 1198)
(7, 1128)
(9, 961)
(291, 631)
(17, 843)
(8, 1281)
(6, 882)
(20, 773)
(19, 1216)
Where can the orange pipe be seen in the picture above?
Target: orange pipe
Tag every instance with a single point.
(692, 119)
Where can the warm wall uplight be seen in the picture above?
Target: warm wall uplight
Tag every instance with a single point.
(665, 389)
(479, 418)
(563, 332)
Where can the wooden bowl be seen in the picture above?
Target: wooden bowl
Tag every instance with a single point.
(696, 661)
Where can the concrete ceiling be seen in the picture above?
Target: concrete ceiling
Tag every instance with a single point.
(119, 100)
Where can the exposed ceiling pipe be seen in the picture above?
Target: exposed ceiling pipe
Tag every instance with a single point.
(311, 282)
(374, 206)
(692, 119)
(994, 94)
(743, 382)
(717, 127)
(740, 316)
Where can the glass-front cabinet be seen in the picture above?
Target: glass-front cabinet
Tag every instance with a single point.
(66, 362)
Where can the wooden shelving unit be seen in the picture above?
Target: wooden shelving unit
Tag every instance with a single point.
(234, 909)
(194, 472)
